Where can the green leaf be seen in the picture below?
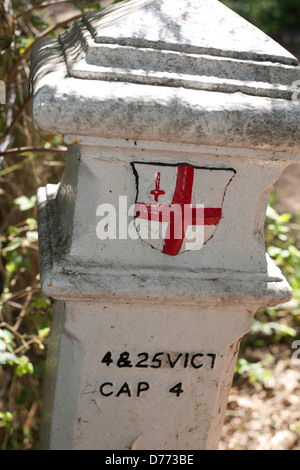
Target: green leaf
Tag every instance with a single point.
(284, 218)
(6, 334)
(6, 341)
(32, 223)
(40, 302)
(5, 418)
(272, 214)
(274, 251)
(282, 329)
(272, 327)
(254, 371)
(13, 230)
(15, 241)
(8, 358)
(32, 236)
(30, 368)
(25, 203)
(43, 333)
(24, 366)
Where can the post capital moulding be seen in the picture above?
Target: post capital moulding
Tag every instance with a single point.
(130, 70)
(164, 81)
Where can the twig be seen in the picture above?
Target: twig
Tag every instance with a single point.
(20, 150)
(23, 311)
(19, 294)
(17, 334)
(52, 163)
(19, 114)
(15, 305)
(30, 416)
(11, 248)
(46, 5)
(24, 348)
(14, 167)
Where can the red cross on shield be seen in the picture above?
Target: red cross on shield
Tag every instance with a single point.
(178, 207)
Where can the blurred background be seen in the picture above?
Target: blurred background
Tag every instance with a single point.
(264, 403)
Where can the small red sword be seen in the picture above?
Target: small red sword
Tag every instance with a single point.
(157, 191)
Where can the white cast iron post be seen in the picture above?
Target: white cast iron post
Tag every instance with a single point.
(166, 105)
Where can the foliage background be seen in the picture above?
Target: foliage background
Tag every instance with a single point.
(33, 158)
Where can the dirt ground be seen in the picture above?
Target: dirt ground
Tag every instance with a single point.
(287, 190)
(265, 417)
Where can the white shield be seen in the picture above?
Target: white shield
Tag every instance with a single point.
(178, 207)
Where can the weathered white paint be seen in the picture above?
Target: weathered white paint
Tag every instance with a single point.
(237, 245)
(133, 85)
(201, 27)
(157, 418)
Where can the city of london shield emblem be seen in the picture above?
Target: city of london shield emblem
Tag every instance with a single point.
(178, 207)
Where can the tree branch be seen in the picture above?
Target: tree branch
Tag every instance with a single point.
(46, 5)
(21, 150)
(45, 33)
(17, 117)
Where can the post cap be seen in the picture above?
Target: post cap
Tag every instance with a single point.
(166, 70)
